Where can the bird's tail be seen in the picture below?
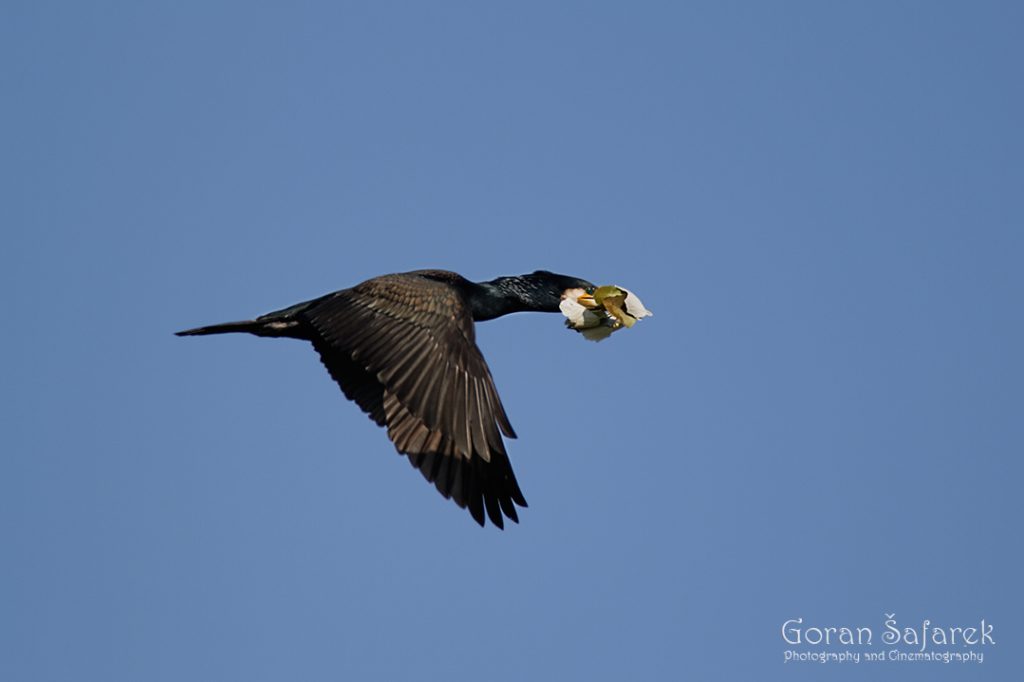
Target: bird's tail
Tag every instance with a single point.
(284, 323)
(249, 326)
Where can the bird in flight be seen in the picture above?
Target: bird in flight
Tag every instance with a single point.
(403, 348)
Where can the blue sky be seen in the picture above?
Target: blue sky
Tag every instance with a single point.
(821, 202)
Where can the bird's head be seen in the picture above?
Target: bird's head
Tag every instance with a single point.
(539, 291)
(554, 288)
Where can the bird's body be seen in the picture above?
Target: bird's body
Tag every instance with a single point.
(403, 347)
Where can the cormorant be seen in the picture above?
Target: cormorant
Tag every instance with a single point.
(403, 347)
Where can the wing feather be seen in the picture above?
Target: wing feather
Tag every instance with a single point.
(403, 348)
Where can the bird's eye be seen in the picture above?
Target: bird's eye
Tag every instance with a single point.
(589, 290)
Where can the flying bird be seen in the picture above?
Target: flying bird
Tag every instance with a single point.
(403, 348)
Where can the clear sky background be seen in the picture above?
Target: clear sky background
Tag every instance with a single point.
(821, 202)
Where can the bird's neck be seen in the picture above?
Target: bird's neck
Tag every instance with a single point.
(505, 295)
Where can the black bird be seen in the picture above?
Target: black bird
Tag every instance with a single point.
(403, 348)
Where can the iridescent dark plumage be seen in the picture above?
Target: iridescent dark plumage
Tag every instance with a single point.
(403, 348)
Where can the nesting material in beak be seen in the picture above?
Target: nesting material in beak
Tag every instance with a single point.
(607, 310)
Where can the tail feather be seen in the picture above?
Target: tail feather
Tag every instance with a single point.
(250, 326)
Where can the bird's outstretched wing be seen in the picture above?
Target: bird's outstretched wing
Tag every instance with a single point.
(403, 348)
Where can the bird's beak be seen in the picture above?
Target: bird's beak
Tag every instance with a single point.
(587, 301)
